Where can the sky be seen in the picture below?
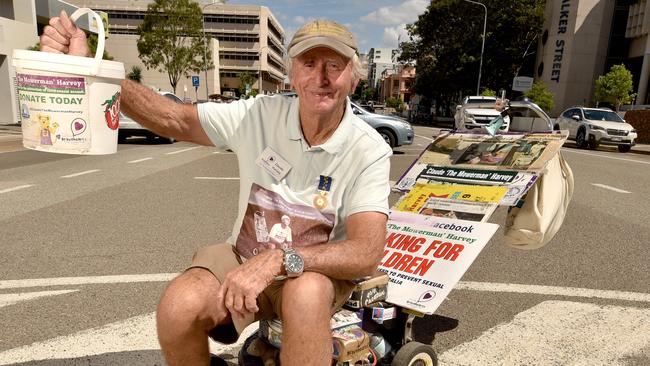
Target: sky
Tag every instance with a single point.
(375, 23)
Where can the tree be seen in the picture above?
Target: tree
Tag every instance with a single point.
(92, 44)
(172, 39)
(135, 74)
(246, 79)
(615, 87)
(487, 92)
(359, 91)
(370, 94)
(396, 103)
(540, 95)
(445, 43)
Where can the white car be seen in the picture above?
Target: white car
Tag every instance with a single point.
(129, 127)
(476, 112)
(591, 127)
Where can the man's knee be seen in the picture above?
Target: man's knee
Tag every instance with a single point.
(308, 291)
(192, 297)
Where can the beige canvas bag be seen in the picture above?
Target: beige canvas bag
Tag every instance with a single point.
(542, 213)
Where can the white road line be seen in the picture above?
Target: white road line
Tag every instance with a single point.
(80, 173)
(462, 285)
(561, 333)
(424, 137)
(401, 155)
(553, 290)
(10, 299)
(217, 178)
(133, 334)
(139, 160)
(68, 281)
(183, 150)
(603, 156)
(610, 188)
(16, 188)
(402, 149)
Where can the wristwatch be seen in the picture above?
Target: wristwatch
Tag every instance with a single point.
(293, 262)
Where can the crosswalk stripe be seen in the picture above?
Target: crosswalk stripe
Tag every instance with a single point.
(560, 333)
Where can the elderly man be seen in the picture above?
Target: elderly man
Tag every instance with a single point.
(309, 158)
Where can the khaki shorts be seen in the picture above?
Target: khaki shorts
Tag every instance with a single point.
(221, 259)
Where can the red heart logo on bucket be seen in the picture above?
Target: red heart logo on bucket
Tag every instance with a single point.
(78, 126)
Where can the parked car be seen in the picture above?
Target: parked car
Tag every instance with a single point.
(395, 131)
(129, 127)
(476, 112)
(591, 127)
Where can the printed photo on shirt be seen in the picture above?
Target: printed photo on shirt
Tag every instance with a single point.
(271, 222)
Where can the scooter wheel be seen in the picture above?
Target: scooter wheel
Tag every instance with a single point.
(415, 354)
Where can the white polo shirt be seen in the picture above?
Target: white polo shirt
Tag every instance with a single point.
(293, 178)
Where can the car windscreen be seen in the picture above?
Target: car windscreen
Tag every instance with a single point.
(471, 101)
(596, 115)
(173, 97)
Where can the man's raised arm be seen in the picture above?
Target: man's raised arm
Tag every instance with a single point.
(150, 109)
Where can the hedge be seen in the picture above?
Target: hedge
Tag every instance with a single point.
(640, 119)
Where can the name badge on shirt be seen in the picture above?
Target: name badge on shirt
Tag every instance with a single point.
(273, 163)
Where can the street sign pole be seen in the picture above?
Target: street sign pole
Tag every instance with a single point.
(195, 84)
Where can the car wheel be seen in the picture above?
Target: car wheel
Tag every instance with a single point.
(121, 138)
(593, 145)
(581, 139)
(556, 127)
(167, 140)
(388, 137)
(624, 148)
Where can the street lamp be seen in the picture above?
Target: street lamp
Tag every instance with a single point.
(205, 49)
(480, 66)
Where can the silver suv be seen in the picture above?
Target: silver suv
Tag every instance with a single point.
(477, 112)
(591, 127)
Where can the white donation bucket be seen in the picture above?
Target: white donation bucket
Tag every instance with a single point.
(69, 104)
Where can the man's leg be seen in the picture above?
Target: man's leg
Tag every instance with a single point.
(189, 308)
(306, 312)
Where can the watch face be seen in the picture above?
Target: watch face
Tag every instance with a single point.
(294, 263)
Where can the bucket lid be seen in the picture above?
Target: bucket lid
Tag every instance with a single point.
(55, 62)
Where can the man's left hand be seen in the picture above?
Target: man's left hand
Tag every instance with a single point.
(243, 285)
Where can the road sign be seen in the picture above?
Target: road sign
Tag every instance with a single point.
(522, 83)
(195, 81)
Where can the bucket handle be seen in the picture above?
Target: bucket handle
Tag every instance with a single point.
(100, 36)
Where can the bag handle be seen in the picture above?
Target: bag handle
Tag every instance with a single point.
(100, 36)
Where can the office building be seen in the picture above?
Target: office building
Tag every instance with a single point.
(245, 38)
(17, 31)
(379, 59)
(582, 39)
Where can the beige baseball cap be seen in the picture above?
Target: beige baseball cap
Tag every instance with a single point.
(323, 33)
